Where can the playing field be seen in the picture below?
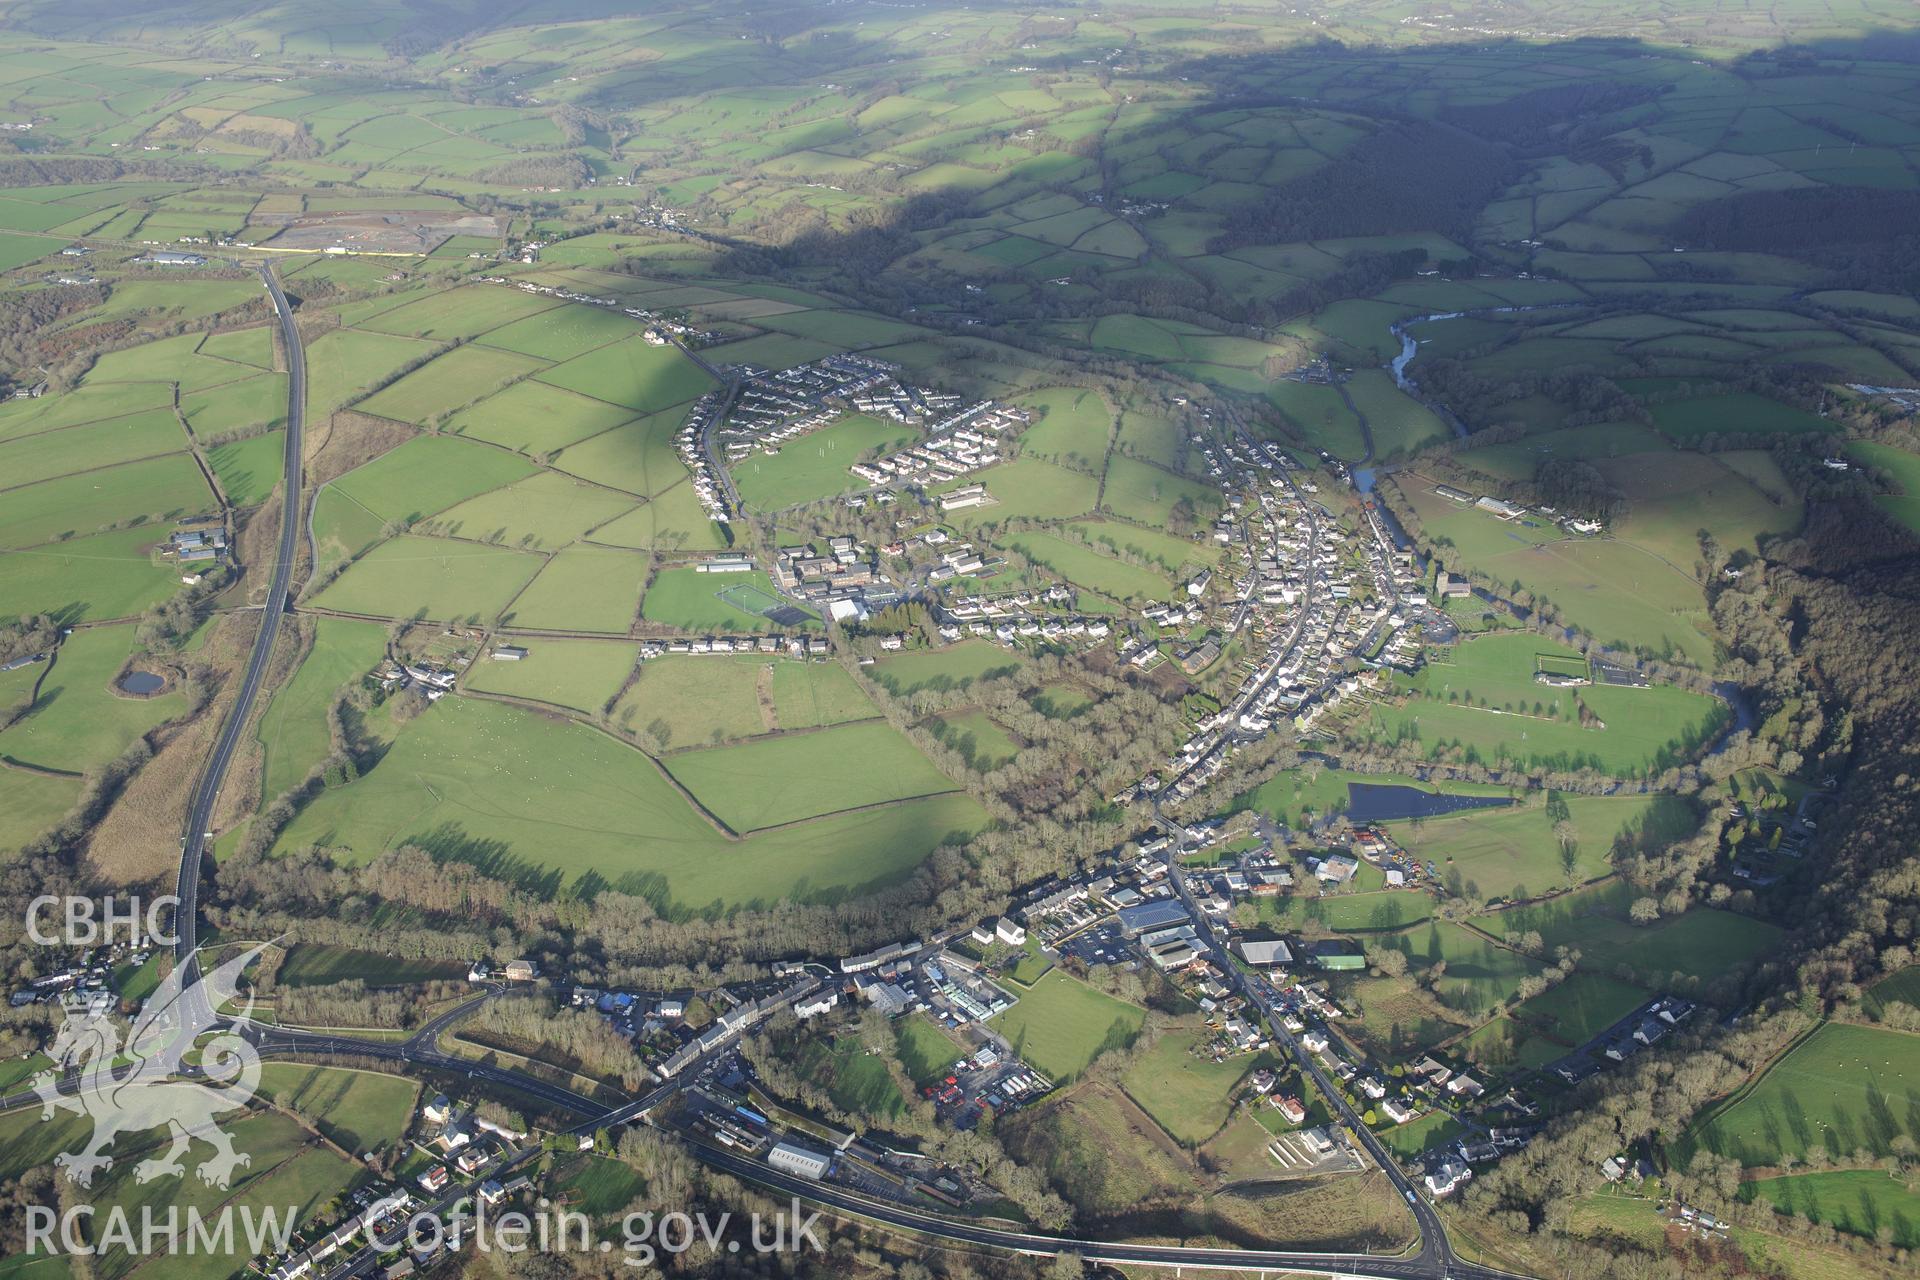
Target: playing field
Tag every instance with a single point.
(1061, 1024)
(492, 785)
(1844, 1088)
(707, 603)
(814, 466)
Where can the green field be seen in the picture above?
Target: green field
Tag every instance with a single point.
(1086, 567)
(1479, 975)
(293, 729)
(109, 575)
(1061, 1025)
(543, 511)
(976, 736)
(1512, 852)
(775, 781)
(1844, 1088)
(633, 374)
(1704, 943)
(688, 600)
(79, 721)
(1190, 1096)
(1551, 1025)
(813, 694)
(428, 474)
(477, 781)
(1482, 702)
(156, 489)
(436, 578)
(583, 675)
(583, 588)
(927, 1052)
(1904, 470)
(814, 466)
(1862, 1202)
(954, 667)
(360, 1110)
(317, 964)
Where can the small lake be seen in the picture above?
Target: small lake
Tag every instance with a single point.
(1384, 802)
(142, 682)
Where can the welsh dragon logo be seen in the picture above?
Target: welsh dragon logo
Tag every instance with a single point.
(160, 1074)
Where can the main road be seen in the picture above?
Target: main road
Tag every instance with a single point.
(193, 846)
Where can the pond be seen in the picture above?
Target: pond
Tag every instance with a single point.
(1384, 802)
(142, 682)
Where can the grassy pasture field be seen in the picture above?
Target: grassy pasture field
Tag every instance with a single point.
(447, 383)
(1861, 1202)
(582, 675)
(1732, 413)
(1904, 470)
(815, 694)
(976, 736)
(1061, 1024)
(582, 588)
(249, 469)
(477, 781)
(1702, 944)
(953, 667)
(1480, 976)
(1843, 1088)
(1555, 1023)
(361, 1110)
(52, 454)
(637, 455)
(1028, 488)
(293, 730)
(1512, 852)
(30, 805)
(79, 720)
(774, 781)
(927, 1052)
(438, 578)
(1485, 701)
(1074, 427)
(686, 701)
(631, 373)
(1189, 1096)
(428, 474)
(532, 417)
(1091, 569)
(108, 575)
(537, 512)
(345, 364)
(309, 964)
(164, 488)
